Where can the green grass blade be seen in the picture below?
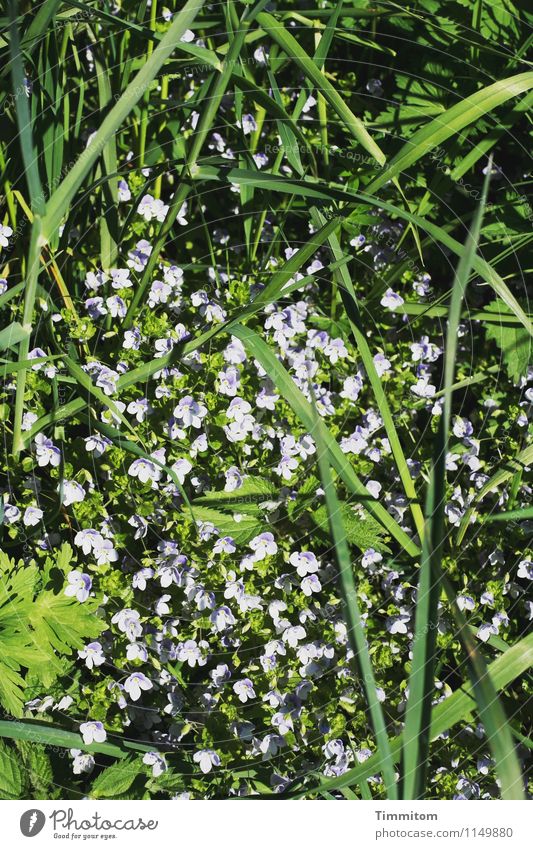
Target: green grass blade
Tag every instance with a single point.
(352, 614)
(63, 195)
(293, 49)
(459, 707)
(469, 110)
(349, 299)
(415, 756)
(303, 409)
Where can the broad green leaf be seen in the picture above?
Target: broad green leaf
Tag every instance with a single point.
(11, 776)
(363, 532)
(467, 111)
(513, 341)
(116, 779)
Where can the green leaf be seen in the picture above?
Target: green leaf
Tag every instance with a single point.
(116, 779)
(12, 335)
(242, 531)
(362, 532)
(295, 51)
(11, 776)
(466, 112)
(513, 341)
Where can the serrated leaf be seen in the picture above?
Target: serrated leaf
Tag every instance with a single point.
(364, 533)
(241, 531)
(116, 779)
(11, 775)
(253, 491)
(513, 340)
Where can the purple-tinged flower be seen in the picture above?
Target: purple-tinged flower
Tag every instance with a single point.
(46, 451)
(92, 654)
(206, 759)
(32, 516)
(263, 546)
(156, 761)
(244, 690)
(79, 585)
(73, 493)
(305, 562)
(92, 732)
(135, 684)
(190, 412)
(391, 300)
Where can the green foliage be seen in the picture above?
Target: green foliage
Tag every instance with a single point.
(513, 340)
(38, 625)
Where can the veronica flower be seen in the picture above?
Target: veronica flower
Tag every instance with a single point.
(92, 654)
(224, 545)
(189, 652)
(391, 300)
(465, 602)
(190, 412)
(283, 722)
(244, 690)
(107, 381)
(104, 552)
(156, 761)
(263, 546)
(293, 634)
(97, 445)
(145, 470)
(397, 624)
(128, 621)
(425, 351)
(79, 585)
(423, 388)
(525, 570)
(228, 381)
(304, 562)
(310, 585)
(370, 557)
(73, 493)
(234, 479)
(92, 732)
(5, 234)
(135, 684)
(124, 193)
(222, 618)
(139, 257)
(82, 762)
(139, 579)
(220, 674)
(32, 516)
(46, 451)
(248, 125)
(140, 525)
(206, 759)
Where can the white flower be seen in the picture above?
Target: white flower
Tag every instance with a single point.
(397, 624)
(244, 690)
(486, 631)
(79, 585)
(190, 412)
(135, 684)
(293, 634)
(92, 732)
(72, 492)
(92, 654)
(207, 759)
(156, 761)
(32, 516)
(310, 585)
(391, 300)
(263, 546)
(304, 562)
